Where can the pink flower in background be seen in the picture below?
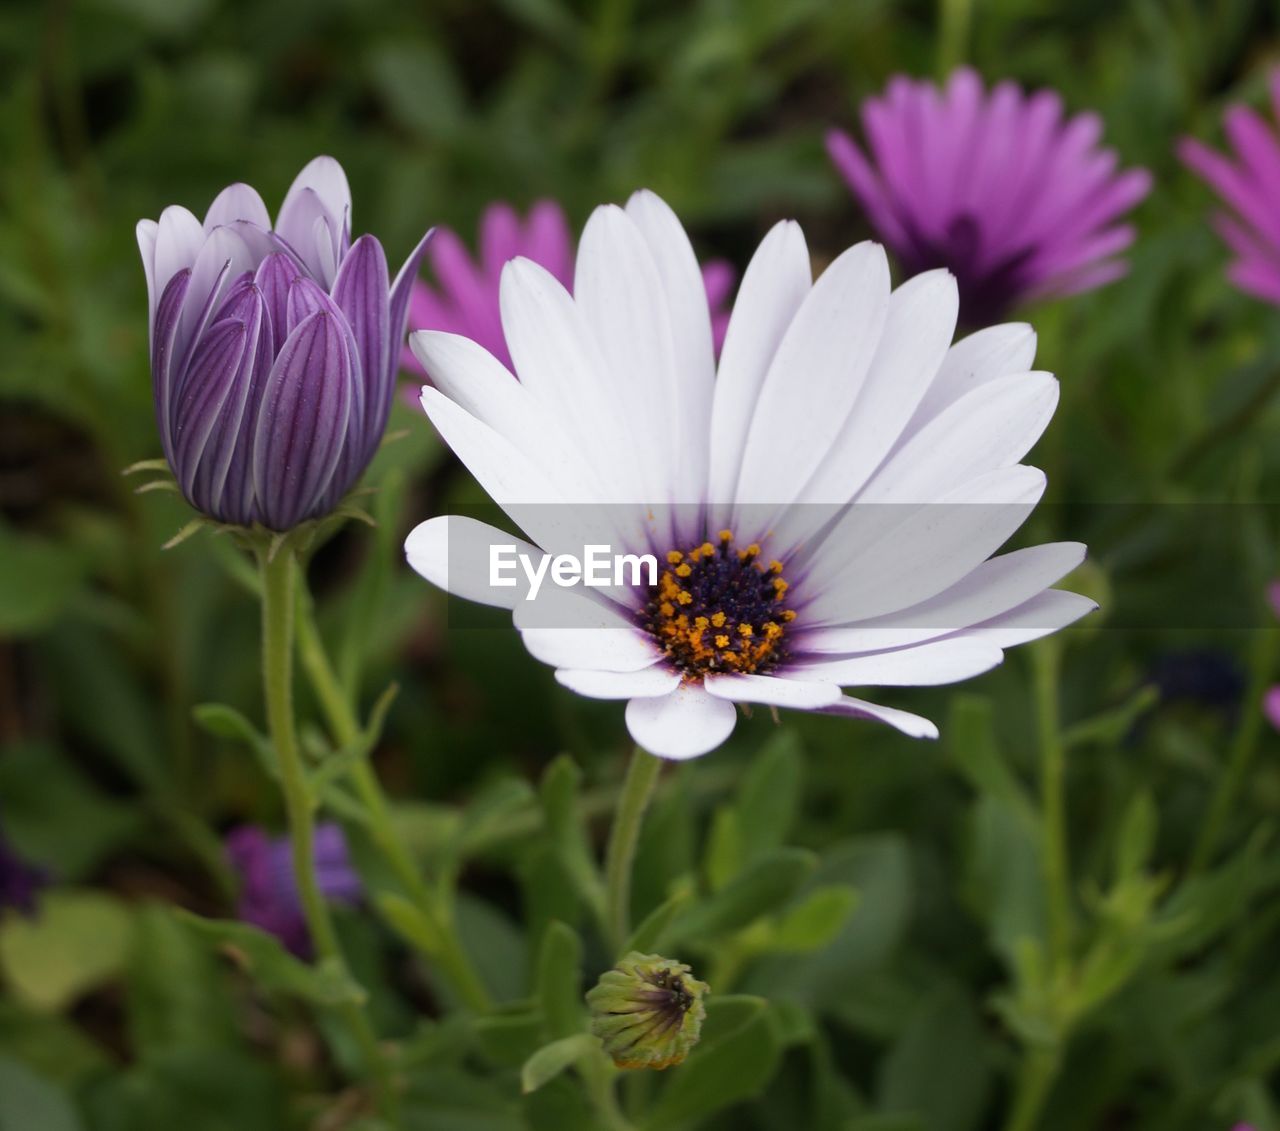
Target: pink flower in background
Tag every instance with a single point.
(1000, 187)
(465, 298)
(1248, 182)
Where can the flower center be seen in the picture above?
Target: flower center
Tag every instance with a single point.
(719, 609)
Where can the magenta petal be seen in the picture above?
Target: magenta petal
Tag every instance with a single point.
(306, 401)
(1271, 706)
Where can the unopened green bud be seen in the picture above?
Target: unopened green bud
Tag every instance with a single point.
(647, 1011)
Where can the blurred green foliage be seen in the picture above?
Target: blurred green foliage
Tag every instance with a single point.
(870, 912)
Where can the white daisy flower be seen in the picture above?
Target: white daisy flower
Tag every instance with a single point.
(822, 506)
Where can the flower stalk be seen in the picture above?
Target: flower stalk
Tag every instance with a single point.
(340, 717)
(277, 572)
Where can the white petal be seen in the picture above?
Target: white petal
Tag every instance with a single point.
(147, 231)
(928, 665)
(619, 293)
(1048, 612)
(557, 360)
(918, 330)
(580, 628)
(326, 178)
(686, 302)
(179, 238)
(774, 286)
(684, 724)
(477, 381)
(237, 202)
(801, 694)
(453, 553)
(913, 726)
(993, 426)
(815, 376)
(994, 352)
(650, 682)
(994, 587)
(932, 549)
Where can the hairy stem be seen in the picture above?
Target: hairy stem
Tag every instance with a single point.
(637, 791)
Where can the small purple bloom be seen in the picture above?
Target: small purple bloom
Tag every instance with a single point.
(20, 881)
(269, 891)
(1248, 182)
(273, 351)
(1014, 198)
(465, 300)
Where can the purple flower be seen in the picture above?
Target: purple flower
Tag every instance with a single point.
(1015, 199)
(269, 891)
(1248, 186)
(465, 301)
(273, 351)
(20, 882)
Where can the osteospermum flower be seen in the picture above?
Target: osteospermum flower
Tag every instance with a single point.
(273, 351)
(1248, 182)
(269, 897)
(774, 589)
(465, 299)
(1015, 199)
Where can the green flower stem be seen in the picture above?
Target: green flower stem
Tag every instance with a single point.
(1039, 1070)
(341, 719)
(1046, 658)
(637, 791)
(1243, 746)
(277, 678)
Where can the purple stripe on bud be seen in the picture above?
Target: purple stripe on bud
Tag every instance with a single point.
(306, 403)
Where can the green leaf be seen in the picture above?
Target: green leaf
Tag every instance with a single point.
(509, 1037)
(724, 855)
(646, 937)
(971, 742)
(550, 1060)
(1003, 881)
(177, 994)
(78, 941)
(272, 967)
(939, 1067)
(815, 921)
(30, 1103)
(1137, 837)
(559, 794)
(762, 888)
(559, 980)
(727, 1067)
(769, 797)
(223, 721)
(38, 580)
(411, 923)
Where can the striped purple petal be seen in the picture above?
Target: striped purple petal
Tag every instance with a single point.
(306, 401)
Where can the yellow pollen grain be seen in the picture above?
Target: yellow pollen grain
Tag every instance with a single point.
(684, 598)
(667, 609)
(772, 631)
(775, 566)
(779, 587)
(788, 615)
(718, 619)
(746, 629)
(684, 570)
(726, 536)
(700, 622)
(675, 557)
(722, 641)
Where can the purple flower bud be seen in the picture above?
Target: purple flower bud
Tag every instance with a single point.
(269, 896)
(20, 882)
(1015, 199)
(273, 351)
(465, 298)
